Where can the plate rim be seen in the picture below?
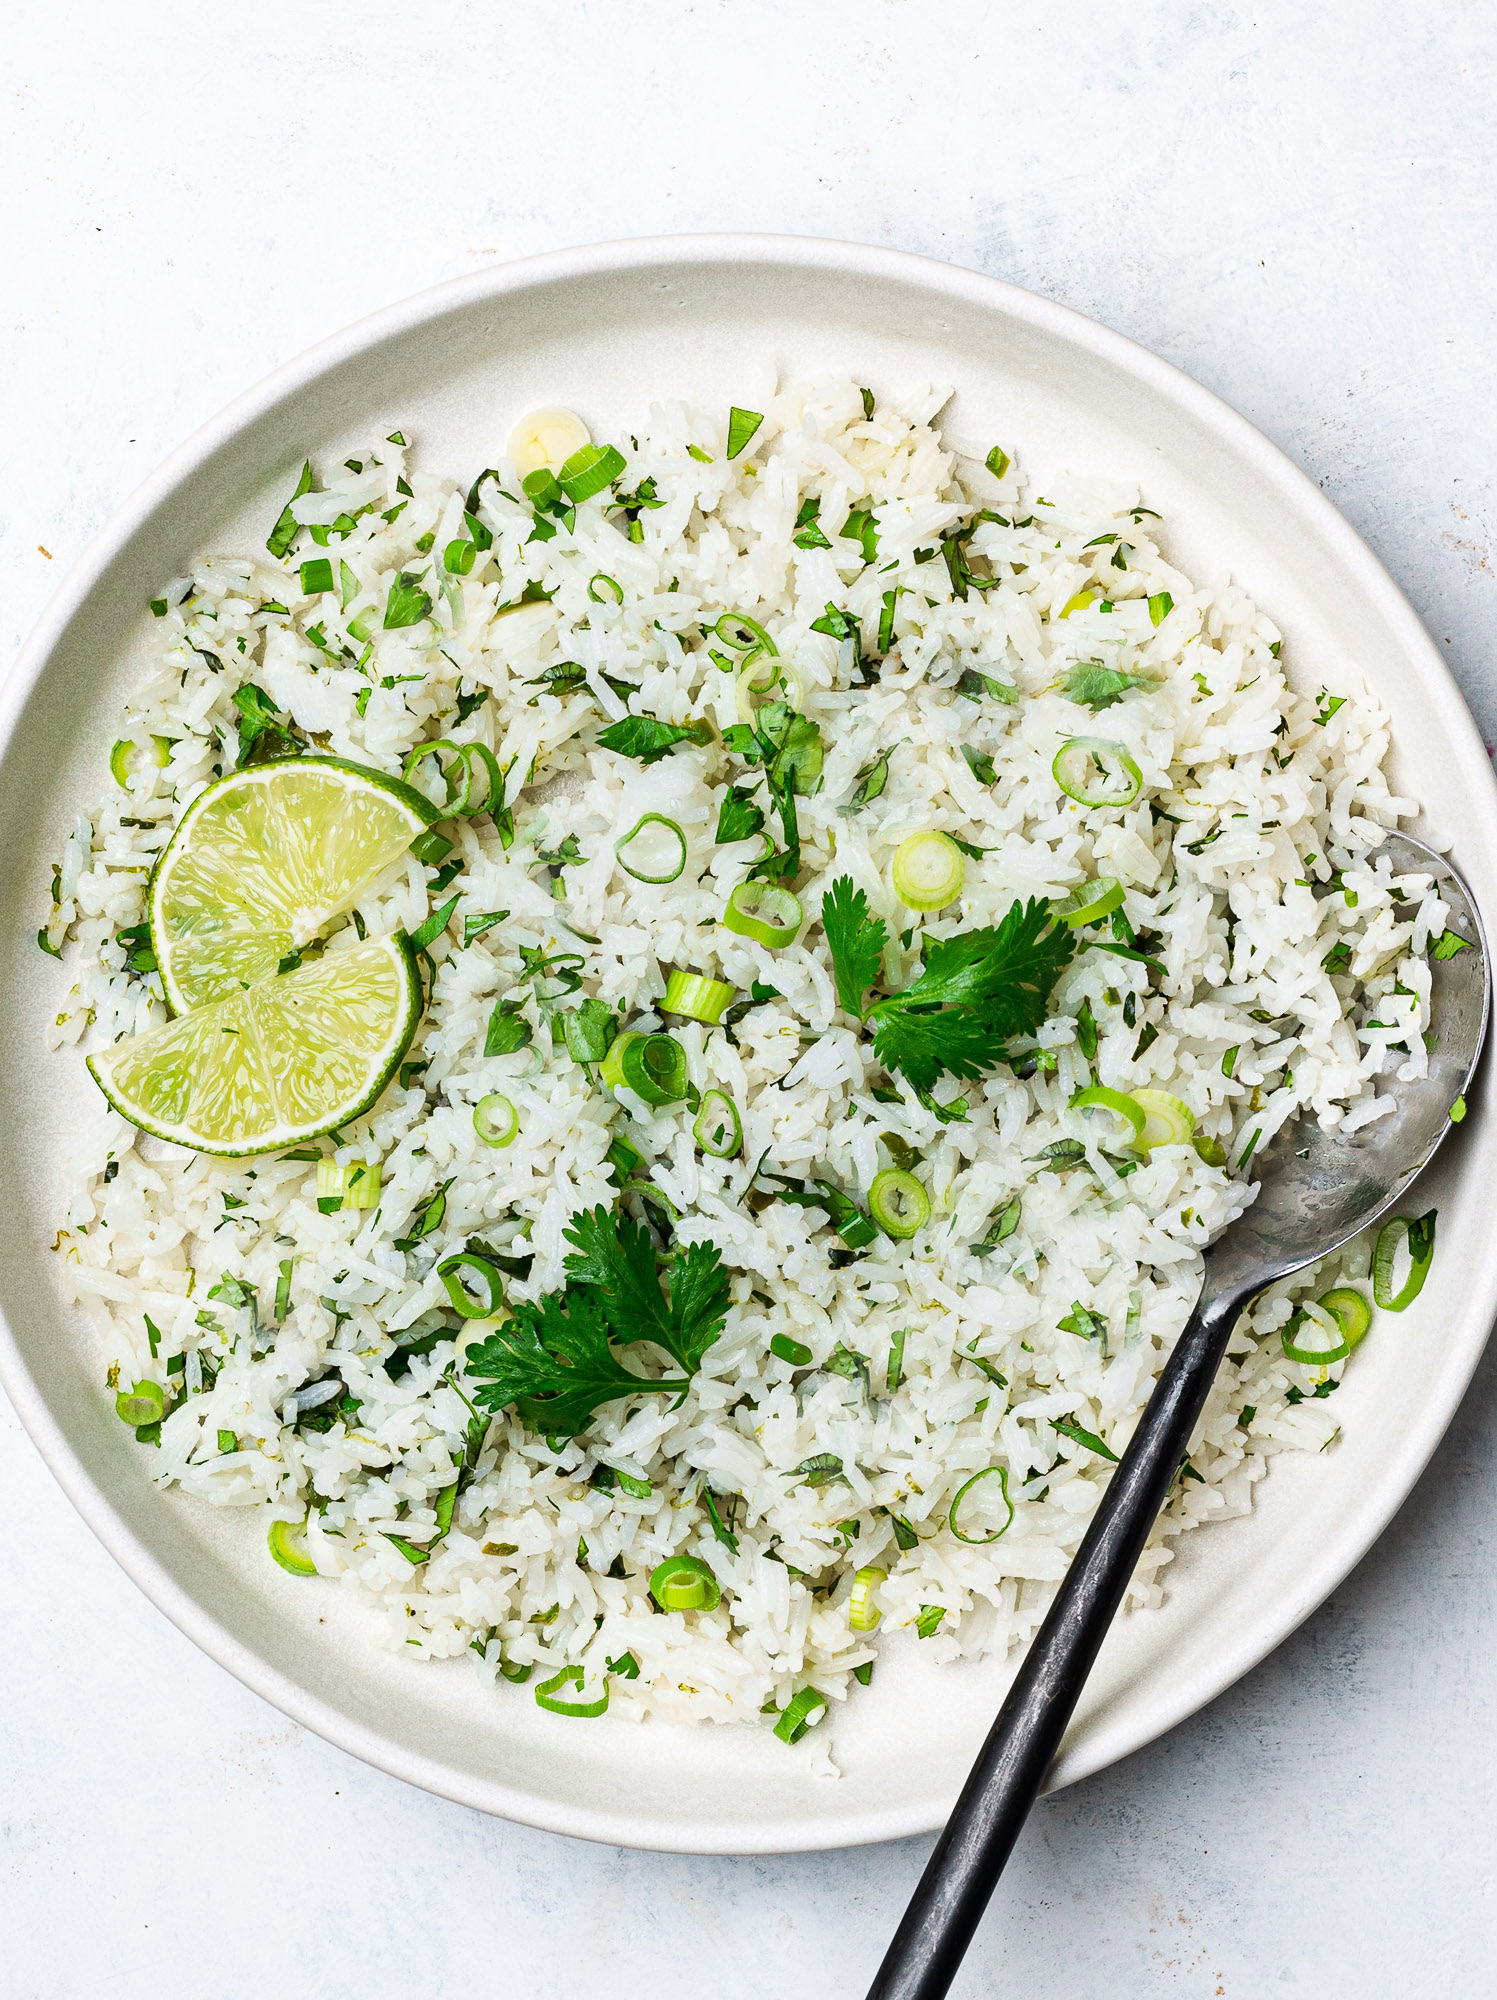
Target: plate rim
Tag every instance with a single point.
(935, 277)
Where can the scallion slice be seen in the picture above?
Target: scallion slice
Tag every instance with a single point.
(759, 679)
(863, 1613)
(800, 1714)
(653, 1067)
(496, 1120)
(589, 470)
(603, 589)
(468, 1268)
(1090, 903)
(456, 788)
(988, 1472)
(744, 634)
(1167, 1121)
(659, 857)
(1416, 1234)
(1099, 1097)
(143, 1404)
(718, 1129)
(489, 796)
(122, 758)
(1315, 1357)
(287, 1542)
(683, 1583)
(765, 912)
(1095, 772)
(795, 1352)
(548, 1696)
(697, 997)
(928, 871)
(898, 1203)
(1351, 1311)
(354, 1184)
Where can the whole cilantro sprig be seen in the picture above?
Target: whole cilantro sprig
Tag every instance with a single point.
(554, 1358)
(976, 991)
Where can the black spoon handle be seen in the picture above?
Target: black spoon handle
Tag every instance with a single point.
(961, 1874)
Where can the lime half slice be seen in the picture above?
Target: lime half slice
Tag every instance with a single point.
(274, 1063)
(262, 860)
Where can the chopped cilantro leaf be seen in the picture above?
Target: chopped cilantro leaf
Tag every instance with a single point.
(742, 425)
(645, 737)
(1096, 687)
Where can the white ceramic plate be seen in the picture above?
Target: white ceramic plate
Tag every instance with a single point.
(607, 330)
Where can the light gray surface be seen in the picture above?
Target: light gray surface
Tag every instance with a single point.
(1299, 214)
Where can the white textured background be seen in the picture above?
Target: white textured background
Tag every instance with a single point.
(1295, 203)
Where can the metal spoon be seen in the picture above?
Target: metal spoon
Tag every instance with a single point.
(1317, 1190)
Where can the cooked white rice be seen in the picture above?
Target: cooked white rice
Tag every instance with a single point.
(1261, 795)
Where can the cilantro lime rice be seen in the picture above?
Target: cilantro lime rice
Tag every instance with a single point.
(880, 907)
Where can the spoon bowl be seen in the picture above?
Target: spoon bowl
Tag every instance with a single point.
(1318, 1188)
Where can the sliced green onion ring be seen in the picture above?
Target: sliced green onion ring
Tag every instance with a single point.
(928, 871)
(141, 1405)
(764, 912)
(1167, 1120)
(660, 857)
(795, 1352)
(760, 678)
(491, 797)
(800, 1714)
(744, 634)
(1101, 1097)
(898, 1203)
(122, 758)
(1090, 903)
(590, 469)
(496, 1120)
(355, 1183)
(1349, 1308)
(684, 1583)
(456, 793)
(612, 590)
(1095, 772)
(718, 1129)
(465, 1268)
(287, 1542)
(1315, 1357)
(1417, 1235)
(981, 1541)
(863, 1613)
(653, 1067)
(697, 997)
(548, 1696)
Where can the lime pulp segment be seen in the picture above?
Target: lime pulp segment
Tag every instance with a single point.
(262, 860)
(274, 1063)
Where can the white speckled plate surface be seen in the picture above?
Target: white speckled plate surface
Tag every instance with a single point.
(607, 330)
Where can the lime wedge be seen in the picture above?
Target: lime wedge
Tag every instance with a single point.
(277, 1062)
(262, 860)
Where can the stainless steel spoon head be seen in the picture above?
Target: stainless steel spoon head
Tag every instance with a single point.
(1318, 1189)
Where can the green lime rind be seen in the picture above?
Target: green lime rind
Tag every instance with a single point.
(262, 860)
(277, 1063)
